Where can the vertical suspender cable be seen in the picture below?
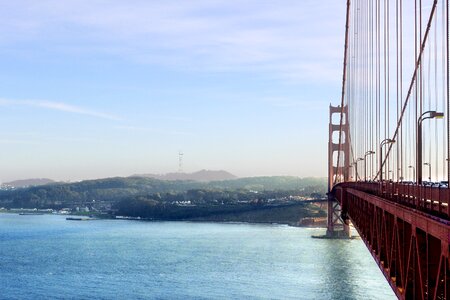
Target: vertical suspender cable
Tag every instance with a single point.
(397, 167)
(414, 77)
(416, 96)
(401, 88)
(444, 127)
(447, 89)
(384, 77)
(435, 104)
(378, 86)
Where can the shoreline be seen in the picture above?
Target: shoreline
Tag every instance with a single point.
(28, 213)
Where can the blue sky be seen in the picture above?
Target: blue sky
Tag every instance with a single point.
(98, 88)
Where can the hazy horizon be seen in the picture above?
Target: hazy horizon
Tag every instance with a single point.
(94, 89)
(140, 174)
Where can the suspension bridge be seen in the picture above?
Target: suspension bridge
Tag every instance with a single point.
(389, 142)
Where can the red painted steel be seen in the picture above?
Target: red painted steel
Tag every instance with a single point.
(406, 229)
(338, 171)
(433, 200)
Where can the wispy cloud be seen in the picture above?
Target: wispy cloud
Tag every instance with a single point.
(199, 34)
(289, 102)
(59, 106)
(153, 130)
(43, 138)
(12, 141)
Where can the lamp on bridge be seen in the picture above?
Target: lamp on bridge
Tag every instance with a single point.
(414, 172)
(399, 173)
(365, 169)
(356, 168)
(429, 170)
(431, 114)
(384, 142)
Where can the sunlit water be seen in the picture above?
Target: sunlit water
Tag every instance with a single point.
(49, 257)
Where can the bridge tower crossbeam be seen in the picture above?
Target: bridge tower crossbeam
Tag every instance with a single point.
(337, 224)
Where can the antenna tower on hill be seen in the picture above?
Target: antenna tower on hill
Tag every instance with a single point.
(180, 162)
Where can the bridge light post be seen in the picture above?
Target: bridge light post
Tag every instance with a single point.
(356, 167)
(431, 114)
(365, 162)
(384, 142)
(414, 172)
(429, 170)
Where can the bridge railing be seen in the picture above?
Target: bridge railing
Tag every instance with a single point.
(427, 198)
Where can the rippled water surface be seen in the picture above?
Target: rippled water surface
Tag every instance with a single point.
(49, 257)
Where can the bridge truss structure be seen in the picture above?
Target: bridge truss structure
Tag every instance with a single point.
(389, 151)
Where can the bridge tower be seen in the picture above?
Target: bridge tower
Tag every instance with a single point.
(338, 223)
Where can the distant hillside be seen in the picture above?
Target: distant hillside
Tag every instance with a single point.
(270, 183)
(115, 189)
(202, 176)
(29, 182)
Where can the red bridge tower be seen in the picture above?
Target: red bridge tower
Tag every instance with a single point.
(339, 143)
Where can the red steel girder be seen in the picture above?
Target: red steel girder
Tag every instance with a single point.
(432, 200)
(410, 246)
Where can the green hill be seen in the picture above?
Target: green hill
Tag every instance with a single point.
(119, 188)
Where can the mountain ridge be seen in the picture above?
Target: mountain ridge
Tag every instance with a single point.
(119, 188)
(23, 183)
(201, 176)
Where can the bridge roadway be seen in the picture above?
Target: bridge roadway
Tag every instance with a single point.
(407, 230)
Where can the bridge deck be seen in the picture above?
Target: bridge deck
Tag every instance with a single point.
(429, 199)
(407, 234)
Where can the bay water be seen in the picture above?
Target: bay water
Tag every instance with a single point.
(48, 257)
